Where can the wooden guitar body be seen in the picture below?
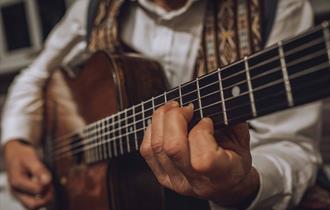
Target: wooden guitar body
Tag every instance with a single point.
(105, 85)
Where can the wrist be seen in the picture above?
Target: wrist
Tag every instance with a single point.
(241, 195)
(14, 143)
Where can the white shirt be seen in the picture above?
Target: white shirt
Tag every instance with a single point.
(284, 145)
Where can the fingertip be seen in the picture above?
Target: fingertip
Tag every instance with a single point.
(207, 120)
(188, 111)
(173, 104)
(190, 106)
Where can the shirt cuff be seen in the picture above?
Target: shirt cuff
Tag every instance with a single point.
(22, 128)
(271, 189)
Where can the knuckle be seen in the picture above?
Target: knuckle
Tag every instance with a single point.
(145, 151)
(164, 181)
(159, 112)
(157, 147)
(174, 151)
(174, 112)
(203, 164)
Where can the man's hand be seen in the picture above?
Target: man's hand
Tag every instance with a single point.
(200, 162)
(29, 179)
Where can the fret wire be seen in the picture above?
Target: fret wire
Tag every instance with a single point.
(180, 95)
(127, 137)
(135, 132)
(253, 106)
(222, 99)
(92, 151)
(142, 110)
(165, 97)
(97, 141)
(109, 143)
(103, 140)
(114, 136)
(153, 103)
(92, 142)
(121, 149)
(199, 99)
(326, 34)
(88, 157)
(285, 75)
(91, 125)
(310, 70)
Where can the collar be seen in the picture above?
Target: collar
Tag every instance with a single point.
(161, 12)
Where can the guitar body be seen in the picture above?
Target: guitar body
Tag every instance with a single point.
(105, 85)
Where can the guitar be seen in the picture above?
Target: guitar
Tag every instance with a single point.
(92, 139)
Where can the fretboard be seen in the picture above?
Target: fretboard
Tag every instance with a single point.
(290, 73)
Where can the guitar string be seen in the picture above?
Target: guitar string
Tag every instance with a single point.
(63, 138)
(89, 149)
(196, 110)
(204, 96)
(278, 93)
(273, 47)
(317, 41)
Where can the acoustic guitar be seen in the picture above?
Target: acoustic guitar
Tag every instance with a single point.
(92, 140)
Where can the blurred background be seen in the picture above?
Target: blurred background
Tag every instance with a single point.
(24, 25)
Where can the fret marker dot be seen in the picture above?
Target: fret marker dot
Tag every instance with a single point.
(236, 91)
(131, 129)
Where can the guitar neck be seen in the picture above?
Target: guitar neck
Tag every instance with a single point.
(290, 73)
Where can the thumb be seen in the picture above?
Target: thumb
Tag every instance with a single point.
(38, 170)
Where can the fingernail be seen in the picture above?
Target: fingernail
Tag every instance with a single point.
(207, 120)
(190, 106)
(173, 103)
(45, 178)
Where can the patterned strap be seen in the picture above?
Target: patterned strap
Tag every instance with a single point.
(231, 31)
(105, 29)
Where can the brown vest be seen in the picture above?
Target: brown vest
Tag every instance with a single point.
(232, 30)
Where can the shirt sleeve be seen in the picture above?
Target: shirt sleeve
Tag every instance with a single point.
(22, 112)
(284, 145)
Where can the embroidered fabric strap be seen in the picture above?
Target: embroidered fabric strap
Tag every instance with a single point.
(105, 28)
(232, 30)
